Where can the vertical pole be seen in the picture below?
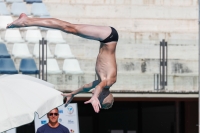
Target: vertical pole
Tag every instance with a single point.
(166, 59)
(42, 58)
(46, 58)
(163, 64)
(160, 65)
(157, 81)
(154, 81)
(199, 63)
(40, 42)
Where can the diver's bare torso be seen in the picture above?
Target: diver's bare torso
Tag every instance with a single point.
(106, 67)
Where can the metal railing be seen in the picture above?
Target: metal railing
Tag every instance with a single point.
(43, 59)
(160, 80)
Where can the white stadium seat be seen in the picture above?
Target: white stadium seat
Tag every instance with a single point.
(71, 66)
(63, 51)
(18, 8)
(39, 9)
(20, 50)
(4, 21)
(13, 36)
(36, 51)
(33, 36)
(3, 9)
(54, 36)
(12, 1)
(52, 67)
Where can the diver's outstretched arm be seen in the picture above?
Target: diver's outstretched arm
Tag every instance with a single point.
(84, 88)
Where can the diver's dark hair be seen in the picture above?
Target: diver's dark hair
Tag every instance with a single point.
(103, 95)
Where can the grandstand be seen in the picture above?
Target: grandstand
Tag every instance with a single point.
(141, 24)
(23, 43)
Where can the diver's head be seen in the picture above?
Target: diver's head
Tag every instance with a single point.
(106, 99)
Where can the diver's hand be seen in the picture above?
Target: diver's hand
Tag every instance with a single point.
(95, 103)
(68, 98)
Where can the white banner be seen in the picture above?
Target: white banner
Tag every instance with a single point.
(68, 117)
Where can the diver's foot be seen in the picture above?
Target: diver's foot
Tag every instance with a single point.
(20, 22)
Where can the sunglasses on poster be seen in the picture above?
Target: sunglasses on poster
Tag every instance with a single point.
(51, 114)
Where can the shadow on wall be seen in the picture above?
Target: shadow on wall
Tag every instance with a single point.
(129, 66)
(143, 66)
(180, 68)
(138, 65)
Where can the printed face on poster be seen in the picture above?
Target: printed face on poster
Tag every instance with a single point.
(68, 117)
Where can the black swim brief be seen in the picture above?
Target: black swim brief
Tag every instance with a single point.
(103, 95)
(112, 37)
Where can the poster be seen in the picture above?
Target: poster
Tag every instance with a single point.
(68, 116)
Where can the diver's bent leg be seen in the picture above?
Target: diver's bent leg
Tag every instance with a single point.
(86, 31)
(25, 21)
